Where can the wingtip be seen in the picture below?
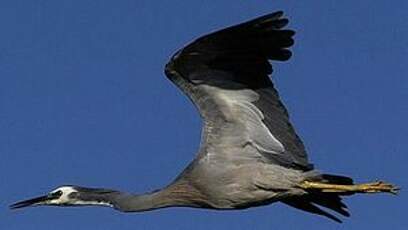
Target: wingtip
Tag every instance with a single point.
(277, 14)
(268, 18)
(272, 16)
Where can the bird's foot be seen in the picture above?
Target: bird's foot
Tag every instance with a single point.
(376, 187)
(373, 187)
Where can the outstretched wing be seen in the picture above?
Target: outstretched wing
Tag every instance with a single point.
(225, 74)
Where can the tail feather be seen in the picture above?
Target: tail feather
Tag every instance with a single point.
(336, 179)
(305, 205)
(331, 179)
(331, 201)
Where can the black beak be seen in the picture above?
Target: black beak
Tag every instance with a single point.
(30, 202)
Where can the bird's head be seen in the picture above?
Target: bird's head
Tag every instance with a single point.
(69, 196)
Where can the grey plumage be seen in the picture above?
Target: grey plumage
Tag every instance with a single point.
(249, 154)
(225, 74)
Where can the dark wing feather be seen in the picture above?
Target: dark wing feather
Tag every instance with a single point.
(225, 74)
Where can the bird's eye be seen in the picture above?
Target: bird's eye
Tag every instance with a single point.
(57, 193)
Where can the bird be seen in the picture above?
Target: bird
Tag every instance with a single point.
(250, 154)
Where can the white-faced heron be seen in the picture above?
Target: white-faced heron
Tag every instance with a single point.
(250, 154)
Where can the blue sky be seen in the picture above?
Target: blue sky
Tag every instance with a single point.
(84, 101)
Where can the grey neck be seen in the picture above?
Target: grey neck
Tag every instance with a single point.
(140, 203)
(176, 194)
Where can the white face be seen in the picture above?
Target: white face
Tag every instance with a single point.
(66, 196)
(63, 199)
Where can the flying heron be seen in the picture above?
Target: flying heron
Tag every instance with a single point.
(250, 154)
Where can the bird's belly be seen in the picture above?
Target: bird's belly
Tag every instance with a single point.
(235, 196)
(232, 189)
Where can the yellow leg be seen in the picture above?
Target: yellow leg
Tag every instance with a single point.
(374, 187)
